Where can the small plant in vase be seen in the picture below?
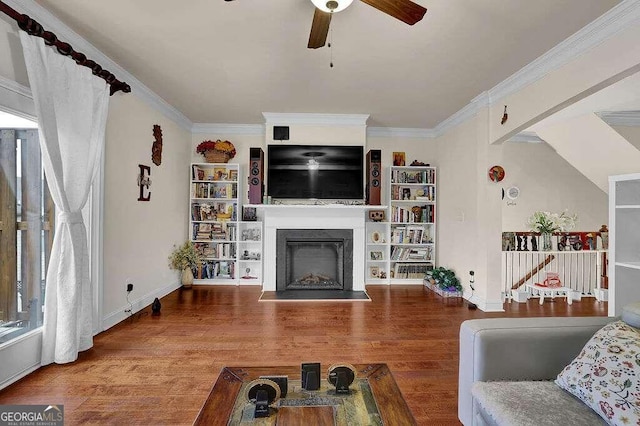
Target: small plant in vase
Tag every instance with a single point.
(184, 258)
(546, 223)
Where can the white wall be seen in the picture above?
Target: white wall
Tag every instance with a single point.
(547, 182)
(630, 133)
(12, 64)
(138, 235)
(457, 211)
(606, 63)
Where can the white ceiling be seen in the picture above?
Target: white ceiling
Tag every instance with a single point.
(227, 62)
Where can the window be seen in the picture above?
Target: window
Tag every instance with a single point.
(26, 228)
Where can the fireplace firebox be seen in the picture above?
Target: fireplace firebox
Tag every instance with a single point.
(314, 259)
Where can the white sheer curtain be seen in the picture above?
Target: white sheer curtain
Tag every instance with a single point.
(72, 106)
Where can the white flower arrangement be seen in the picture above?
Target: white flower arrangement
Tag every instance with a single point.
(547, 222)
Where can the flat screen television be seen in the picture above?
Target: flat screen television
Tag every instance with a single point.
(328, 172)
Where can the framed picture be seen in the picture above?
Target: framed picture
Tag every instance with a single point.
(398, 159)
(374, 272)
(376, 255)
(406, 193)
(249, 214)
(376, 237)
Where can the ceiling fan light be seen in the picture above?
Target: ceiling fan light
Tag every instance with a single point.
(326, 5)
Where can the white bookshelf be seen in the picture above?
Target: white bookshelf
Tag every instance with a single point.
(231, 250)
(624, 241)
(406, 239)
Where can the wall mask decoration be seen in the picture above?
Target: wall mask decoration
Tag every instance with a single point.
(156, 149)
(144, 182)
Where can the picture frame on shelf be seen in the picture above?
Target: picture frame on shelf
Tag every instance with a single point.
(376, 237)
(399, 159)
(376, 255)
(406, 193)
(374, 272)
(249, 214)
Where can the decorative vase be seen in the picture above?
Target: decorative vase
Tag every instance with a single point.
(546, 241)
(187, 278)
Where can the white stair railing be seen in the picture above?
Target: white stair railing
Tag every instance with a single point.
(579, 270)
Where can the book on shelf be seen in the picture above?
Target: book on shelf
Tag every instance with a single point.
(212, 269)
(413, 176)
(406, 215)
(411, 253)
(411, 270)
(197, 173)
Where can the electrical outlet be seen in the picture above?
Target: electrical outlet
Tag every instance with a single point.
(129, 287)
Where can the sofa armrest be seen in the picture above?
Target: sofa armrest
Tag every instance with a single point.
(518, 349)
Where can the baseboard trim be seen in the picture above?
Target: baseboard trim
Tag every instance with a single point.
(488, 306)
(137, 305)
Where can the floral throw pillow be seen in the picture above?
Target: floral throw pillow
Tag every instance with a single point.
(606, 374)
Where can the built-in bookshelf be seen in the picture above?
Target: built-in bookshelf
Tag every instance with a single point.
(230, 249)
(401, 248)
(624, 241)
(412, 223)
(250, 252)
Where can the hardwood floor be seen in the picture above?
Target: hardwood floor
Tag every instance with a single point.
(159, 369)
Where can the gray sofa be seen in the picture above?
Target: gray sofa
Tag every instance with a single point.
(507, 368)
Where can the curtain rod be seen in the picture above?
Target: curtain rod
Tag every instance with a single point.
(32, 27)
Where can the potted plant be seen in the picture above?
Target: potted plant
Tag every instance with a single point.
(445, 283)
(547, 223)
(184, 258)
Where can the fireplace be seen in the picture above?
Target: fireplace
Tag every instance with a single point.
(314, 259)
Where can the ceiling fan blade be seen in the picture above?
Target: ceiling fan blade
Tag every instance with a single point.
(319, 29)
(404, 10)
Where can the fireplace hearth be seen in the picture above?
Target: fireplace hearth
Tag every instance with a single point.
(314, 259)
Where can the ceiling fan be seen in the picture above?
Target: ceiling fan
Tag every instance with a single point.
(404, 10)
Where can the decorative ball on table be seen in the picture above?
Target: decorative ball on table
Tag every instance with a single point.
(216, 151)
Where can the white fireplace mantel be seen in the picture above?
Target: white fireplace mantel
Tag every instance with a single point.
(303, 216)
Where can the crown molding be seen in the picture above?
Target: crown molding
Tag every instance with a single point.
(285, 119)
(621, 118)
(228, 129)
(470, 110)
(400, 132)
(624, 14)
(621, 16)
(526, 137)
(64, 33)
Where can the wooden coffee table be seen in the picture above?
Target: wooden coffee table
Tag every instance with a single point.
(225, 397)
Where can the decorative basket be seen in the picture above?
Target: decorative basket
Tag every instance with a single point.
(215, 156)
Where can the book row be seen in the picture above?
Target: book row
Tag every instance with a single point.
(214, 173)
(405, 193)
(411, 270)
(415, 214)
(216, 250)
(212, 269)
(223, 211)
(218, 231)
(411, 253)
(410, 235)
(418, 176)
(214, 190)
